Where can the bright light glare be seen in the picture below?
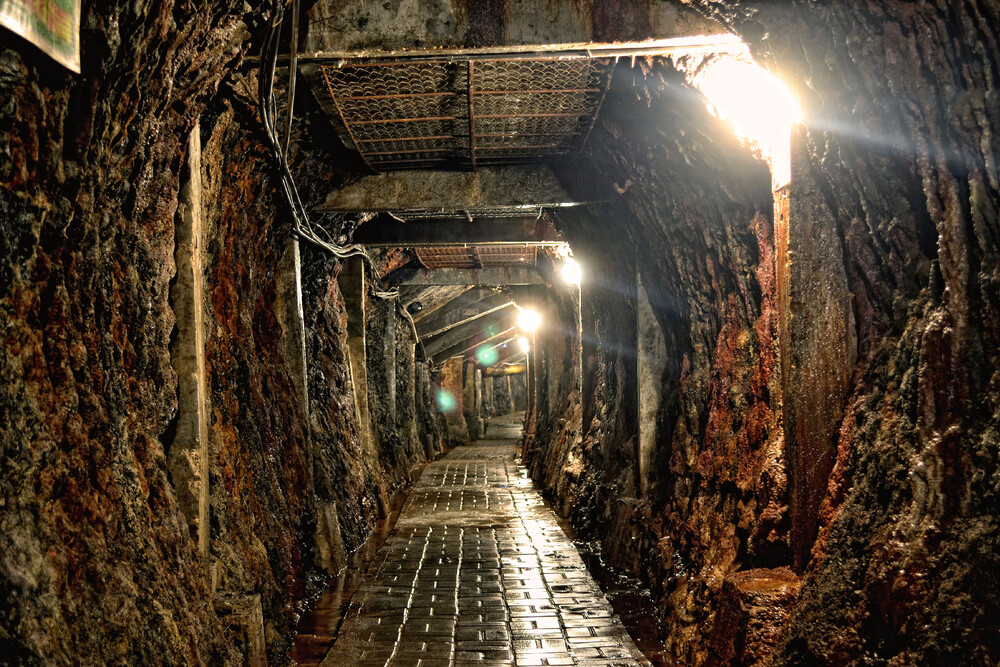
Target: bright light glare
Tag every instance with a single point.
(528, 320)
(523, 343)
(571, 272)
(759, 107)
(487, 356)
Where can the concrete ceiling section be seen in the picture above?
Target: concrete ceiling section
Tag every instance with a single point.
(377, 25)
(511, 190)
(390, 232)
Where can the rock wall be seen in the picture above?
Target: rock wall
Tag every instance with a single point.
(902, 116)
(895, 171)
(692, 213)
(97, 561)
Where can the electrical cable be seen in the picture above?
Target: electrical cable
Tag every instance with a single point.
(268, 112)
(303, 228)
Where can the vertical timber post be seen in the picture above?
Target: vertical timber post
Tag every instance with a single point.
(651, 353)
(187, 458)
(352, 287)
(817, 342)
(290, 294)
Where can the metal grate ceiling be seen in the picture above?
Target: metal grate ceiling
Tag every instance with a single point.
(467, 113)
(475, 257)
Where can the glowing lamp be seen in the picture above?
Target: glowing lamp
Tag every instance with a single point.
(759, 107)
(571, 272)
(528, 320)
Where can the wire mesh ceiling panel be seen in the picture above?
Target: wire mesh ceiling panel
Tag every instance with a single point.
(460, 114)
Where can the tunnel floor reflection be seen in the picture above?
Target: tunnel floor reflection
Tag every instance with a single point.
(478, 572)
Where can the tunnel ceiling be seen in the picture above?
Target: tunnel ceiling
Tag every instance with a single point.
(459, 114)
(415, 104)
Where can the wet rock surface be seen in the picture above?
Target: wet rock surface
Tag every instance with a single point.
(897, 159)
(716, 498)
(902, 105)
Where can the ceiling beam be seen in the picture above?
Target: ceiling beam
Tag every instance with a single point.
(471, 318)
(520, 231)
(489, 276)
(438, 313)
(484, 326)
(458, 309)
(528, 186)
(463, 347)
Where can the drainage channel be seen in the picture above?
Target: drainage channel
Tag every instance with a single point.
(318, 627)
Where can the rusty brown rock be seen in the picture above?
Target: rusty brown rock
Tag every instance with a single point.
(753, 610)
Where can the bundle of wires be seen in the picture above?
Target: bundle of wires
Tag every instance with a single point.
(304, 229)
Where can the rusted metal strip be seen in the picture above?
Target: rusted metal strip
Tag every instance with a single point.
(428, 138)
(472, 119)
(413, 150)
(531, 147)
(534, 115)
(425, 119)
(538, 92)
(399, 95)
(515, 135)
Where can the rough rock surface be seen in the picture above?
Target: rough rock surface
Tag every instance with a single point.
(900, 101)
(96, 562)
(902, 104)
(696, 207)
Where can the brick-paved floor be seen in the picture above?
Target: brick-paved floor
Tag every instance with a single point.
(478, 572)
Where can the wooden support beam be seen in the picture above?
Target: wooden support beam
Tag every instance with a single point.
(473, 300)
(499, 275)
(464, 347)
(491, 306)
(384, 231)
(483, 326)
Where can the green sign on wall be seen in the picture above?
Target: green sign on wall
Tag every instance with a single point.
(51, 25)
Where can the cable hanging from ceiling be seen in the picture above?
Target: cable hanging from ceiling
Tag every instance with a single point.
(303, 228)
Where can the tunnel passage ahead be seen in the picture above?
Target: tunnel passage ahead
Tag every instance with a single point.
(478, 572)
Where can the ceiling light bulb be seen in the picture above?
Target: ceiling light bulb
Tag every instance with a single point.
(528, 320)
(571, 272)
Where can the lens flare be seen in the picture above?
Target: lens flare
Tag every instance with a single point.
(523, 343)
(487, 356)
(445, 401)
(528, 320)
(571, 271)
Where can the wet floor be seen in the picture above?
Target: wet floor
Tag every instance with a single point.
(478, 571)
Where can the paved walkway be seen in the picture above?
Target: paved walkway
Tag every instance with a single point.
(478, 572)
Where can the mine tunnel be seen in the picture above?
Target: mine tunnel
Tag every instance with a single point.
(500, 332)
